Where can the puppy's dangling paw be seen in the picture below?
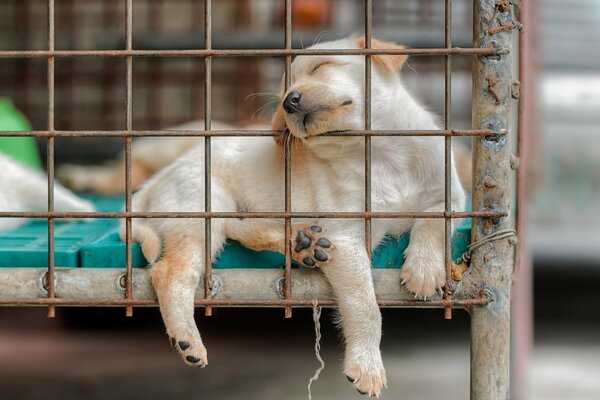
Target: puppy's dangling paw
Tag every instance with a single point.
(193, 352)
(368, 379)
(310, 247)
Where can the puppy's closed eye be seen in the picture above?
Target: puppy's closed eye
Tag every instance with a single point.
(319, 65)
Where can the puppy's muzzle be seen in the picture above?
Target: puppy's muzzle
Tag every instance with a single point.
(291, 104)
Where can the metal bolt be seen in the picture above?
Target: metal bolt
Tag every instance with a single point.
(215, 285)
(487, 294)
(503, 5)
(514, 162)
(46, 282)
(279, 284)
(515, 89)
(123, 281)
(489, 182)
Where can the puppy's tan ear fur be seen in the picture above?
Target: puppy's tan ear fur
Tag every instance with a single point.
(278, 124)
(392, 63)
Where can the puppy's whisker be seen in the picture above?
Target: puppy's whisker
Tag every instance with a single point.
(295, 109)
(253, 96)
(262, 108)
(270, 102)
(319, 37)
(409, 65)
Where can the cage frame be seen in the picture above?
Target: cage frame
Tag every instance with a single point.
(484, 291)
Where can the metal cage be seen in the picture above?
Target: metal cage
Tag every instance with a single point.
(484, 290)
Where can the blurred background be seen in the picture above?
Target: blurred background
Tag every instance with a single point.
(257, 354)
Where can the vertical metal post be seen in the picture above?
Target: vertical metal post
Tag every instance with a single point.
(492, 263)
(50, 158)
(128, 188)
(368, 37)
(207, 154)
(287, 282)
(522, 312)
(448, 154)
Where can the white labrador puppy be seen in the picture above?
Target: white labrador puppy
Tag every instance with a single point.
(327, 94)
(24, 189)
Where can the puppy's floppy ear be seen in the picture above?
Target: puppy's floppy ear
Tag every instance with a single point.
(278, 124)
(392, 63)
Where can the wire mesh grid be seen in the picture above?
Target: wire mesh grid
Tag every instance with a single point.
(208, 53)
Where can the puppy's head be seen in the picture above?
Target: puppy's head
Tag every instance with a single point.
(327, 93)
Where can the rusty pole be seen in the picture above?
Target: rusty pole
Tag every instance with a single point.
(492, 264)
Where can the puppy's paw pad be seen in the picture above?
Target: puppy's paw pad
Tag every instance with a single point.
(424, 278)
(194, 353)
(310, 247)
(368, 381)
(196, 357)
(183, 345)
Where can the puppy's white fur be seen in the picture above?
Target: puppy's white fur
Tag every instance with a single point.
(24, 189)
(327, 175)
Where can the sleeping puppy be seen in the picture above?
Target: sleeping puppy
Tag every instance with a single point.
(326, 95)
(25, 189)
(148, 155)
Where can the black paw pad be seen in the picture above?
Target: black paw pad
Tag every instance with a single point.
(173, 343)
(320, 255)
(316, 228)
(192, 359)
(308, 262)
(351, 380)
(361, 392)
(323, 242)
(183, 345)
(302, 242)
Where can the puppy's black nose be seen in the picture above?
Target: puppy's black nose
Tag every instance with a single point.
(291, 102)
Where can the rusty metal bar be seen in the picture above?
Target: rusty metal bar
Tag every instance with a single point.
(368, 37)
(100, 286)
(294, 214)
(447, 154)
(207, 154)
(129, 127)
(455, 51)
(247, 303)
(492, 263)
(251, 133)
(50, 158)
(287, 283)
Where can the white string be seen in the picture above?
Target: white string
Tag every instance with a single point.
(316, 319)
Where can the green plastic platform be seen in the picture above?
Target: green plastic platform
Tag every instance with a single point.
(95, 244)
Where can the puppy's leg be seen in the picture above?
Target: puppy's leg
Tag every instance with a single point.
(350, 278)
(108, 179)
(423, 272)
(308, 242)
(175, 279)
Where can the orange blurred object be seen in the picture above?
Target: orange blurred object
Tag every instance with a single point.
(310, 13)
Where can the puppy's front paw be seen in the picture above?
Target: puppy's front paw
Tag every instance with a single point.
(367, 375)
(192, 351)
(423, 276)
(310, 247)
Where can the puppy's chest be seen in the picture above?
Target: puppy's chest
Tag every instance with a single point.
(343, 189)
(323, 187)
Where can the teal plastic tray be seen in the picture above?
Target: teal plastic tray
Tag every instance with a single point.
(96, 244)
